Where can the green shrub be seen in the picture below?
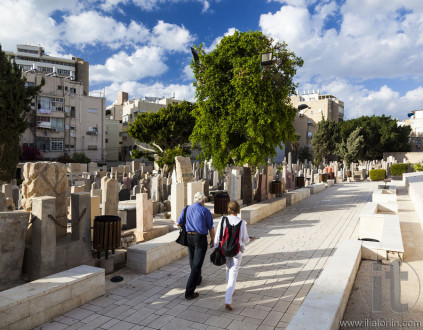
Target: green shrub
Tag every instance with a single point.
(417, 167)
(377, 175)
(399, 169)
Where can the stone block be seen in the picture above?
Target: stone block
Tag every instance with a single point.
(256, 212)
(296, 196)
(316, 188)
(326, 302)
(149, 256)
(192, 189)
(13, 227)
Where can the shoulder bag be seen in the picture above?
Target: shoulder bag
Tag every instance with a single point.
(216, 257)
(182, 238)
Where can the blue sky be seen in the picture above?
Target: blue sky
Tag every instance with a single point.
(368, 53)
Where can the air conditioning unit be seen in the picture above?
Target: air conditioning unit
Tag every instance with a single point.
(310, 122)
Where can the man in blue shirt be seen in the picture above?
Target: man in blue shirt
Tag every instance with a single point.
(199, 222)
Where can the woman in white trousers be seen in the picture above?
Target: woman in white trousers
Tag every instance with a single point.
(232, 263)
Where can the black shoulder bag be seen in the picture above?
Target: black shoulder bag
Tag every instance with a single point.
(216, 257)
(182, 238)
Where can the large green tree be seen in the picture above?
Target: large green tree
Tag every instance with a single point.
(350, 149)
(167, 132)
(15, 104)
(243, 110)
(324, 139)
(381, 134)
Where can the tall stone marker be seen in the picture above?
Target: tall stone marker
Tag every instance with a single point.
(183, 170)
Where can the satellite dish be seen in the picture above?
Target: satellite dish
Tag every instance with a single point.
(410, 115)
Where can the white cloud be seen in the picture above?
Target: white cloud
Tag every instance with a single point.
(171, 37)
(144, 62)
(23, 22)
(150, 5)
(187, 73)
(109, 5)
(375, 38)
(139, 90)
(92, 28)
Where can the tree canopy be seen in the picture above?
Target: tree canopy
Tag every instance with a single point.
(352, 147)
(15, 104)
(166, 131)
(324, 139)
(380, 133)
(243, 111)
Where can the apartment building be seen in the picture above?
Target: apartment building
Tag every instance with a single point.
(312, 108)
(65, 119)
(123, 112)
(415, 121)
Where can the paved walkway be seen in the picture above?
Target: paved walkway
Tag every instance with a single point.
(277, 271)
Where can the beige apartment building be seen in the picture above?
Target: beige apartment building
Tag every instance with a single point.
(123, 112)
(65, 119)
(312, 108)
(415, 121)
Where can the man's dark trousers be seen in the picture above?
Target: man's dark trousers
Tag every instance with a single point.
(197, 248)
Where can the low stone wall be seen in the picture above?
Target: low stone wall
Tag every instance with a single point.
(411, 157)
(32, 304)
(325, 304)
(256, 212)
(158, 252)
(316, 188)
(414, 185)
(297, 195)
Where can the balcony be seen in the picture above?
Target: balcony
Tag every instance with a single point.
(44, 124)
(92, 133)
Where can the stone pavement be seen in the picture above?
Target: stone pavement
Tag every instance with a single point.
(277, 271)
(406, 312)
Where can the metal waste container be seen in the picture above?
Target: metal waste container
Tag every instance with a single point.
(107, 231)
(276, 187)
(221, 202)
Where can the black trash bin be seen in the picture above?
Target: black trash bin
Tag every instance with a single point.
(221, 202)
(276, 187)
(107, 231)
(299, 182)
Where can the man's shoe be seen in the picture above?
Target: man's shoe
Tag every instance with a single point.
(193, 296)
(228, 307)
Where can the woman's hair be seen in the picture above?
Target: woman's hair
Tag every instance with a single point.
(125, 175)
(199, 197)
(233, 207)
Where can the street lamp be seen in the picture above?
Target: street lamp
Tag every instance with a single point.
(266, 59)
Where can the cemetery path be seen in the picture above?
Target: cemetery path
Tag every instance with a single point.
(277, 271)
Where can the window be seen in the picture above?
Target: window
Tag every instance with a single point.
(92, 110)
(56, 144)
(107, 140)
(72, 112)
(72, 90)
(67, 109)
(57, 124)
(42, 143)
(309, 135)
(309, 145)
(29, 83)
(59, 87)
(92, 147)
(50, 103)
(43, 119)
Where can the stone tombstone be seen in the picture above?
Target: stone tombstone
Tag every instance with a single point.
(13, 227)
(215, 179)
(135, 190)
(7, 190)
(177, 200)
(157, 188)
(261, 192)
(144, 213)
(2, 202)
(110, 197)
(246, 186)
(124, 193)
(192, 189)
(269, 176)
(183, 170)
(206, 187)
(289, 162)
(15, 196)
(94, 185)
(47, 179)
(235, 185)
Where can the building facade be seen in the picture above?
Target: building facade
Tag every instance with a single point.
(416, 135)
(312, 108)
(64, 119)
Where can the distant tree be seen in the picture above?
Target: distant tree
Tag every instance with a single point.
(350, 149)
(244, 111)
(80, 157)
(166, 131)
(304, 153)
(295, 147)
(324, 140)
(381, 134)
(30, 153)
(15, 104)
